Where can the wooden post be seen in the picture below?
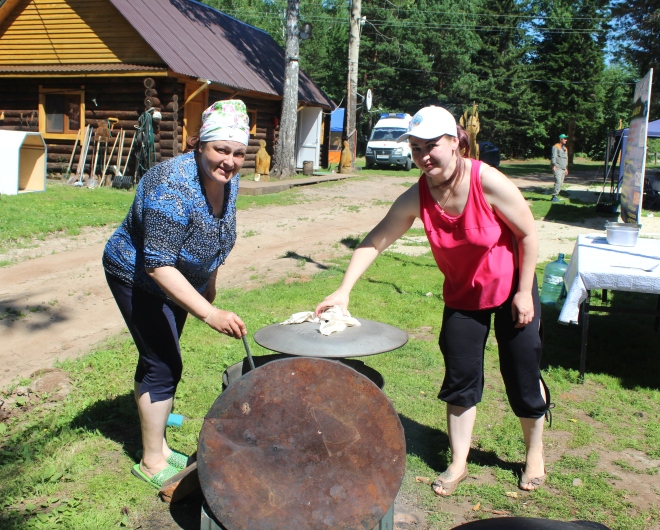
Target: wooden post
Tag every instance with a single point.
(105, 168)
(96, 156)
(73, 153)
(122, 134)
(84, 147)
(180, 485)
(128, 156)
(350, 131)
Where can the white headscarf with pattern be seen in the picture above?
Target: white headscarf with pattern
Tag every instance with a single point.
(226, 120)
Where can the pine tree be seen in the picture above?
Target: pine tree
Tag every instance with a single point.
(414, 52)
(324, 56)
(638, 25)
(570, 58)
(510, 113)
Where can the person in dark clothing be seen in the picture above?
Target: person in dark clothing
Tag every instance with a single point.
(559, 161)
(162, 262)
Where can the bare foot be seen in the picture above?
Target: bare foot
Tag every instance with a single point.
(446, 483)
(530, 483)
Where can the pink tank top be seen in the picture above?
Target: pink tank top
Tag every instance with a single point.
(475, 251)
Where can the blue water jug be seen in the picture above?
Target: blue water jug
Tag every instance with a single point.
(553, 280)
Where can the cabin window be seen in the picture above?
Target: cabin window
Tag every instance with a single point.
(253, 122)
(61, 112)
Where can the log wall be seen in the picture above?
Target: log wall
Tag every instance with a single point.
(123, 98)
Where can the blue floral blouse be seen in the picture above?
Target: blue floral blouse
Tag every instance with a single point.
(170, 223)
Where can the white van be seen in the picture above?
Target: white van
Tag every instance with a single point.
(383, 149)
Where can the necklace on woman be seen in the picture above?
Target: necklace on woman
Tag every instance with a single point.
(449, 194)
(448, 187)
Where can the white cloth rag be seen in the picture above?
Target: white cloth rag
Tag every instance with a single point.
(332, 320)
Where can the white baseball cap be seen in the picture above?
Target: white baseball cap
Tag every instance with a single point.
(430, 122)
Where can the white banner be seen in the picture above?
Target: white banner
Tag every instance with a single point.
(634, 159)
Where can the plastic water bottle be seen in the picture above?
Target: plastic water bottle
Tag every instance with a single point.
(553, 280)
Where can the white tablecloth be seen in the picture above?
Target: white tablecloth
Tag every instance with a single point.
(594, 265)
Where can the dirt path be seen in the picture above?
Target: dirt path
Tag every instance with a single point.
(55, 304)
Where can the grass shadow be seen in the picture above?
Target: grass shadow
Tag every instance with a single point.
(294, 255)
(116, 419)
(624, 346)
(431, 445)
(574, 209)
(187, 513)
(31, 318)
(350, 242)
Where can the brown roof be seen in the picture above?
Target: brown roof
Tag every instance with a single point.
(76, 68)
(196, 40)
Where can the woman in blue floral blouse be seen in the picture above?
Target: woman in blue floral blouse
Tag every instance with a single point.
(162, 262)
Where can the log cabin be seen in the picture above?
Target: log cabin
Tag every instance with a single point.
(67, 64)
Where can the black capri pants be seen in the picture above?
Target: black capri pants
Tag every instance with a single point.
(155, 325)
(463, 342)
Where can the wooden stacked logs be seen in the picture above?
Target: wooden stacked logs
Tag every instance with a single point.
(151, 99)
(20, 120)
(171, 131)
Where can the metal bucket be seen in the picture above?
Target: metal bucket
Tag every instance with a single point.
(123, 182)
(622, 234)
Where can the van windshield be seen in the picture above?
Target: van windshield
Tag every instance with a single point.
(387, 133)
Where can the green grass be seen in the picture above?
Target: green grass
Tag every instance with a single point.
(283, 198)
(67, 464)
(391, 171)
(60, 208)
(67, 209)
(569, 210)
(521, 168)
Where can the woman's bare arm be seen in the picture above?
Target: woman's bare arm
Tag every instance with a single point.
(398, 220)
(510, 206)
(178, 289)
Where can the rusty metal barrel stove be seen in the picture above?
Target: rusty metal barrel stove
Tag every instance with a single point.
(301, 443)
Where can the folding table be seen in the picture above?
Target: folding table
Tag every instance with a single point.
(595, 264)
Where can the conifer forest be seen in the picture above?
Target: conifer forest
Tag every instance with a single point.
(536, 68)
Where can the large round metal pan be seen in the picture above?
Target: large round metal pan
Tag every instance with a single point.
(301, 443)
(306, 340)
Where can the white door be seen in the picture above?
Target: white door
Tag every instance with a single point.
(308, 137)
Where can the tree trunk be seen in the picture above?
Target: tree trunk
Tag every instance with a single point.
(571, 141)
(284, 163)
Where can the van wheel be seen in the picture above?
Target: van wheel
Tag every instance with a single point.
(408, 164)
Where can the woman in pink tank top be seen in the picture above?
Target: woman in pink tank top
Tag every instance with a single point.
(483, 238)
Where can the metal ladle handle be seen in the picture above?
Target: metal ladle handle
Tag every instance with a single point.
(247, 350)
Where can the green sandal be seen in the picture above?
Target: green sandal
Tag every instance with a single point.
(176, 459)
(158, 479)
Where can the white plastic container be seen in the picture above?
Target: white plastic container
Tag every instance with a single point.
(23, 167)
(622, 234)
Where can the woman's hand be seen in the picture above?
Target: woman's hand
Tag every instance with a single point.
(227, 322)
(210, 292)
(339, 298)
(522, 309)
